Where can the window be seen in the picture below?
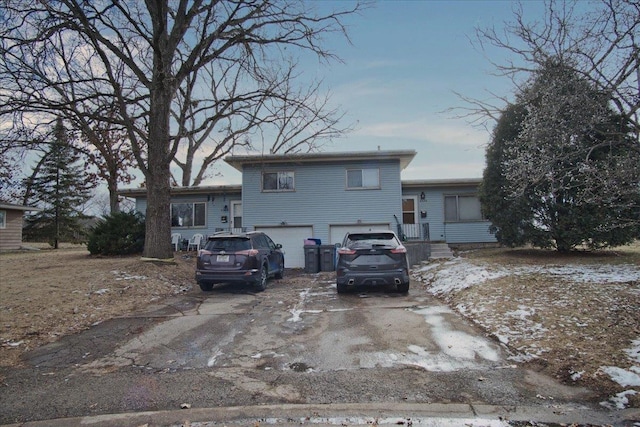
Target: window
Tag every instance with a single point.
(462, 208)
(363, 178)
(188, 214)
(277, 181)
(3, 219)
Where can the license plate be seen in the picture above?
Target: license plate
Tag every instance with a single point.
(223, 258)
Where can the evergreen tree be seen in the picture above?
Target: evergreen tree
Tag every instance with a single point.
(508, 216)
(60, 188)
(562, 169)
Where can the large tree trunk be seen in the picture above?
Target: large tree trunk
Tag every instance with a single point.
(158, 218)
(157, 242)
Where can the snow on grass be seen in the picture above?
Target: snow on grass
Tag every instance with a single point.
(622, 376)
(455, 276)
(531, 307)
(620, 400)
(634, 352)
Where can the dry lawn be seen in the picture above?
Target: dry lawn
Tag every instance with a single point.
(573, 328)
(49, 293)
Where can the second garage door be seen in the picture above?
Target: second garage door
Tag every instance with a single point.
(292, 241)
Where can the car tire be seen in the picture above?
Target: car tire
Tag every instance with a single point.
(280, 273)
(261, 284)
(206, 287)
(342, 289)
(403, 288)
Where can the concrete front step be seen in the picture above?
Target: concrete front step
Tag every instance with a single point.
(440, 250)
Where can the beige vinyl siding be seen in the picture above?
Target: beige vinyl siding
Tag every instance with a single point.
(11, 235)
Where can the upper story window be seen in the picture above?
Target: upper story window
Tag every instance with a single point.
(459, 208)
(363, 178)
(189, 214)
(278, 181)
(3, 219)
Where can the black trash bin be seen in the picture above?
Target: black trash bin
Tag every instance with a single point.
(311, 258)
(327, 257)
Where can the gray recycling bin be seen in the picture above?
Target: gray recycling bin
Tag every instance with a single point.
(327, 257)
(311, 258)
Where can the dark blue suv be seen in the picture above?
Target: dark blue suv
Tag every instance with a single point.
(241, 258)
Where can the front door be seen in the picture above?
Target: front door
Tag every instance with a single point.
(410, 223)
(236, 216)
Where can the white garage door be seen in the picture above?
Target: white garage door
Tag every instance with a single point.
(337, 232)
(292, 241)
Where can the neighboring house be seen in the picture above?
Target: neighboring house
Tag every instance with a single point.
(445, 211)
(11, 221)
(198, 210)
(322, 195)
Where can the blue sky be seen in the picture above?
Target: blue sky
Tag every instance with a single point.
(400, 75)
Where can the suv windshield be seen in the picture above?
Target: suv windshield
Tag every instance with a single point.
(229, 244)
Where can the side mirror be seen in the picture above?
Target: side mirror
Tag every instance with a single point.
(278, 246)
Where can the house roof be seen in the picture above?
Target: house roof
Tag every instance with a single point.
(15, 207)
(405, 157)
(230, 189)
(175, 191)
(422, 183)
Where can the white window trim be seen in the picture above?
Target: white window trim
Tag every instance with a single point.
(193, 212)
(278, 190)
(375, 187)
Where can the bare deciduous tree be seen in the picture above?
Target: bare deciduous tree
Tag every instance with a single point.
(136, 59)
(224, 112)
(599, 38)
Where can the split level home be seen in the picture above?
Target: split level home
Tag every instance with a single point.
(322, 196)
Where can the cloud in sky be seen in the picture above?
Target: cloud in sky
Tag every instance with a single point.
(449, 133)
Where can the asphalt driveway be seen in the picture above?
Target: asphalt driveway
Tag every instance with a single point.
(298, 343)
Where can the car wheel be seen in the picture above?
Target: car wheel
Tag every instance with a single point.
(342, 289)
(403, 288)
(261, 284)
(280, 274)
(206, 287)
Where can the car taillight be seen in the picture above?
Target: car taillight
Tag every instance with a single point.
(248, 252)
(346, 251)
(399, 250)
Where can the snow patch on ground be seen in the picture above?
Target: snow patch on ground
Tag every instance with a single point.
(620, 400)
(622, 376)
(453, 278)
(445, 279)
(123, 275)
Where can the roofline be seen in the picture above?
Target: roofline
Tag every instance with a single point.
(441, 182)
(405, 157)
(209, 189)
(237, 188)
(18, 207)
